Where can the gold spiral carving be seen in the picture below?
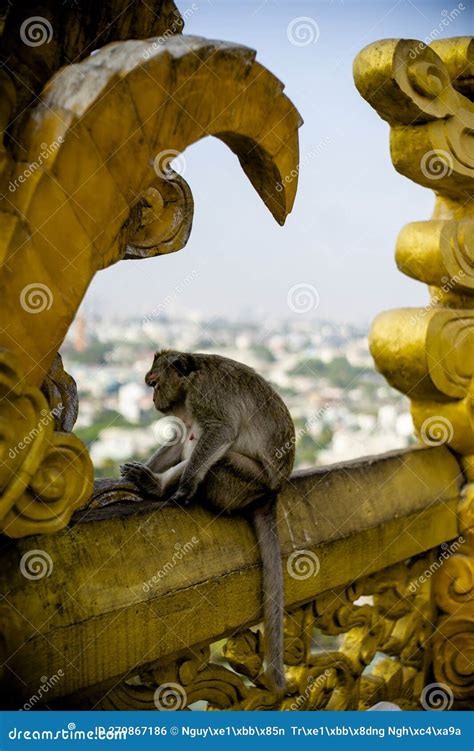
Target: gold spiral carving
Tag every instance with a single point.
(453, 653)
(45, 474)
(453, 586)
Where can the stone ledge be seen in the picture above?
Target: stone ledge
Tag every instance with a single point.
(94, 619)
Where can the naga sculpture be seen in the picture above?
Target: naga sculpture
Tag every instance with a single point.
(86, 183)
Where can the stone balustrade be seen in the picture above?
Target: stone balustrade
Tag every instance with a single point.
(122, 606)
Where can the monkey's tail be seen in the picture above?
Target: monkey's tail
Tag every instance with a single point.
(265, 525)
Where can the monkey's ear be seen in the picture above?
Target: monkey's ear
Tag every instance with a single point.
(183, 363)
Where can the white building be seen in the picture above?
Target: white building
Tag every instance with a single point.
(131, 398)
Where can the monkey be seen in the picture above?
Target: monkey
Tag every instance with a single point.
(229, 456)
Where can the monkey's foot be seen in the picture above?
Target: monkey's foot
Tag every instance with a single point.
(142, 477)
(182, 497)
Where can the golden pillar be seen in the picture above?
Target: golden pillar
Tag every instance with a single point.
(428, 353)
(425, 94)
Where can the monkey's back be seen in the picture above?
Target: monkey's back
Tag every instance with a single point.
(266, 430)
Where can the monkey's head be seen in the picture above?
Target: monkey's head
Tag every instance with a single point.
(168, 378)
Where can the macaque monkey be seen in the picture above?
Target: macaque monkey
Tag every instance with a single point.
(234, 425)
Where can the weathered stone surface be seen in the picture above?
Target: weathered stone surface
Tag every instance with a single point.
(95, 618)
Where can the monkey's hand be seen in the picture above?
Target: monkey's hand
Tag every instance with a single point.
(142, 477)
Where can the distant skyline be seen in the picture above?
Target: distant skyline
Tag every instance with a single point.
(351, 204)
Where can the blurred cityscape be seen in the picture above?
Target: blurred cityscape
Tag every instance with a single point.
(341, 407)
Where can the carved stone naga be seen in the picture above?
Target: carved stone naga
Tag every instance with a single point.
(86, 182)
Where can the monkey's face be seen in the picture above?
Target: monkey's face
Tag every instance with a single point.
(167, 377)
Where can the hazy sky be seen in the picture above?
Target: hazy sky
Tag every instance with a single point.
(350, 205)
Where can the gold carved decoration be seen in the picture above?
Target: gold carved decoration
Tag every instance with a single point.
(453, 640)
(87, 182)
(105, 190)
(425, 93)
(382, 627)
(44, 474)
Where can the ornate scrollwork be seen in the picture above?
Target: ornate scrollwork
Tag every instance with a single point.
(432, 345)
(425, 93)
(453, 640)
(381, 627)
(432, 123)
(103, 190)
(45, 474)
(440, 253)
(160, 222)
(89, 184)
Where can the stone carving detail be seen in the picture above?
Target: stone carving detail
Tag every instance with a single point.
(453, 640)
(383, 625)
(440, 253)
(435, 347)
(60, 390)
(425, 94)
(104, 191)
(161, 220)
(411, 87)
(86, 182)
(45, 474)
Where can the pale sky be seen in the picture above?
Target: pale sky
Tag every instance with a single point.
(350, 206)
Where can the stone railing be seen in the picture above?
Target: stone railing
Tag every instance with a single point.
(125, 612)
(124, 604)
